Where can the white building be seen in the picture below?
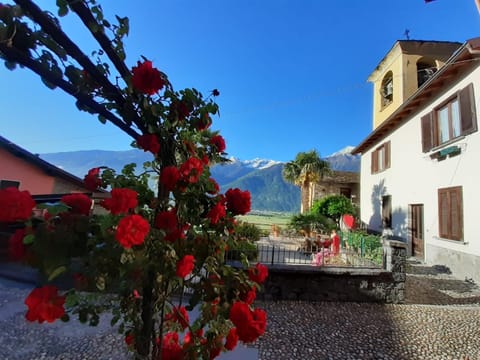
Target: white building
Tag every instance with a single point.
(420, 166)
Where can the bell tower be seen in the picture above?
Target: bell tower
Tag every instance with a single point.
(405, 68)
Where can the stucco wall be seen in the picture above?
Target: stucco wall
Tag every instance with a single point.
(414, 178)
(31, 178)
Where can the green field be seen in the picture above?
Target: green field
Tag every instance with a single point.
(265, 220)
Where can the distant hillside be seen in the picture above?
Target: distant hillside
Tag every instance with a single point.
(262, 177)
(268, 189)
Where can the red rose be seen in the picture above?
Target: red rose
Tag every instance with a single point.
(213, 187)
(167, 220)
(122, 201)
(16, 205)
(44, 304)
(129, 339)
(204, 122)
(231, 340)
(238, 201)
(171, 349)
(250, 324)
(132, 230)
(16, 248)
(179, 315)
(149, 142)
(218, 142)
(146, 78)
(79, 203)
(191, 170)
(169, 177)
(217, 213)
(249, 296)
(258, 274)
(182, 110)
(92, 180)
(185, 266)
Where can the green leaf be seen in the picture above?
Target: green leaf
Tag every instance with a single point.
(102, 119)
(10, 65)
(71, 300)
(54, 209)
(57, 272)
(27, 240)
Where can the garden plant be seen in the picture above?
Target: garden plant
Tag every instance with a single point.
(150, 246)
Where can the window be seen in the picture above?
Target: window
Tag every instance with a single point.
(9, 183)
(387, 211)
(386, 89)
(425, 69)
(381, 158)
(454, 118)
(450, 213)
(347, 192)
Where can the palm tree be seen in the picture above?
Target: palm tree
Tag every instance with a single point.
(305, 171)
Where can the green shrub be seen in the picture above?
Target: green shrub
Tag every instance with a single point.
(333, 207)
(367, 245)
(309, 222)
(238, 248)
(245, 231)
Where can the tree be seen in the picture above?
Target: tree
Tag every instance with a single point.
(333, 206)
(305, 171)
(152, 245)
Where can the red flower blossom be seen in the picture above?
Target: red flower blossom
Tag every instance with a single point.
(171, 349)
(92, 180)
(122, 201)
(182, 110)
(179, 315)
(250, 324)
(191, 170)
(218, 142)
(129, 339)
(16, 248)
(149, 142)
(204, 122)
(217, 213)
(132, 230)
(16, 205)
(213, 187)
(169, 177)
(146, 78)
(249, 296)
(258, 274)
(185, 266)
(231, 340)
(238, 201)
(167, 220)
(79, 203)
(44, 304)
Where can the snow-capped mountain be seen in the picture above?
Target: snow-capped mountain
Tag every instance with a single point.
(347, 150)
(256, 163)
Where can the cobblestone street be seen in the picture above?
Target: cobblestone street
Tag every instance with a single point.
(440, 321)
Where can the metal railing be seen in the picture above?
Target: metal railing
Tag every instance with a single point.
(311, 256)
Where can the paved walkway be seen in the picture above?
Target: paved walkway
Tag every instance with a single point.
(441, 320)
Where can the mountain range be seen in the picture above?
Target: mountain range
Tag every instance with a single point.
(262, 177)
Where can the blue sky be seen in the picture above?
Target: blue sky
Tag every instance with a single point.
(291, 74)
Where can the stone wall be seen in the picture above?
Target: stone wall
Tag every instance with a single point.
(308, 283)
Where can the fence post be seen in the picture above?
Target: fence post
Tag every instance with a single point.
(273, 254)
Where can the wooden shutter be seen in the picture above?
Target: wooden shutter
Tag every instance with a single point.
(387, 155)
(450, 213)
(456, 213)
(427, 132)
(374, 162)
(468, 116)
(443, 213)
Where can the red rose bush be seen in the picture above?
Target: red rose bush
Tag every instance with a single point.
(153, 249)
